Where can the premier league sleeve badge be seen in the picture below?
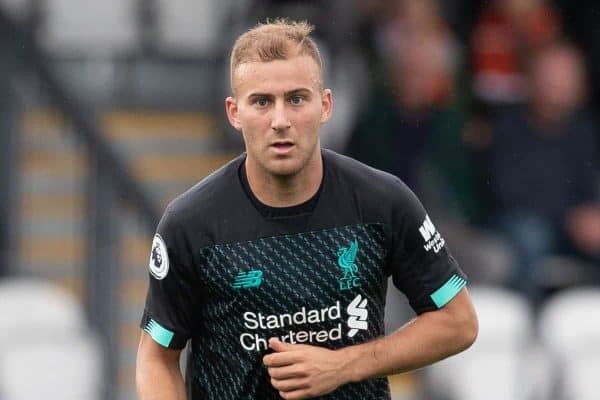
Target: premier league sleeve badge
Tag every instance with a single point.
(159, 258)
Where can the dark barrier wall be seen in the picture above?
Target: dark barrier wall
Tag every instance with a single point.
(8, 154)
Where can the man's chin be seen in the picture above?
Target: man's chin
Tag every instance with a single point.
(284, 168)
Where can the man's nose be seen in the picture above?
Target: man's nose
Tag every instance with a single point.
(280, 119)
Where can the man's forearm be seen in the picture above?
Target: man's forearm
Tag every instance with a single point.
(426, 339)
(302, 371)
(157, 381)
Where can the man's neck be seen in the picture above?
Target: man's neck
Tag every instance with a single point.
(285, 191)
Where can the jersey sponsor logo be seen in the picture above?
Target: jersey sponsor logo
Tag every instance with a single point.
(358, 315)
(159, 258)
(250, 279)
(346, 261)
(258, 324)
(433, 239)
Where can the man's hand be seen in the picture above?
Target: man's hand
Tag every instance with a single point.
(583, 226)
(301, 371)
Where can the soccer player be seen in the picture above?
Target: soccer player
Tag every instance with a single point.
(275, 266)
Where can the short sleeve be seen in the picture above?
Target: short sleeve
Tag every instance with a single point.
(421, 264)
(168, 313)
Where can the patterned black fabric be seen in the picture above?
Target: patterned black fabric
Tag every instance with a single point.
(299, 271)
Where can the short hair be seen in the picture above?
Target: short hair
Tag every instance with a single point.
(280, 39)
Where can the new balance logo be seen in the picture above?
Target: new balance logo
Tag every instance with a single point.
(433, 239)
(250, 279)
(358, 315)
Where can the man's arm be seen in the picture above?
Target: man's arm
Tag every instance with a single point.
(302, 371)
(158, 376)
(426, 339)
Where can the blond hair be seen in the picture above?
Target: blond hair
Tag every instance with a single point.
(280, 39)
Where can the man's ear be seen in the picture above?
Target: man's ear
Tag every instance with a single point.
(231, 108)
(327, 102)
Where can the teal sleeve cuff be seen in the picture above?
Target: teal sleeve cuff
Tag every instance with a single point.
(160, 335)
(448, 290)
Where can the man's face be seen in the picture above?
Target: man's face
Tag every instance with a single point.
(279, 106)
(557, 83)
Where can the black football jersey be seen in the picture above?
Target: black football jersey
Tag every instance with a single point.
(229, 272)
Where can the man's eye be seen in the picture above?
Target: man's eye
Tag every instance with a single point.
(262, 102)
(296, 100)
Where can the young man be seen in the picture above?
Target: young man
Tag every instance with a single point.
(275, 266)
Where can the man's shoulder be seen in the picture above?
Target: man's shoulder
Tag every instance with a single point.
(375, 193)
(215, 190)
(360, 175)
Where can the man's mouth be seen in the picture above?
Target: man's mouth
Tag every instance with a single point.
(282, 147)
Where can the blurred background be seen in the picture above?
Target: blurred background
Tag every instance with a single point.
(487, 109)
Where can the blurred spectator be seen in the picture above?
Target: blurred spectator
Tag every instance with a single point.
(543, 172)
(420, 55)
(582, 25)
(504, 36)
